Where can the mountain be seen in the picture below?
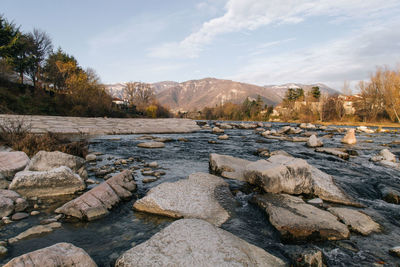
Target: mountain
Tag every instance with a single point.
(281, 89)
(209, 92)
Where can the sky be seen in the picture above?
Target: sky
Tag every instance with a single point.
(263, 42)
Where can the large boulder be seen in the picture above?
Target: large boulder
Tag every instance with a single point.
(313, 141)
(10, 202)
(356, 220)
(296, 220)
(55, 182)
(11, 163)
(46, 161)
(96, 202)
(60, 254)
(195, 197)
(228, 166)
(192, 242)
(280, 174)
(350, 137)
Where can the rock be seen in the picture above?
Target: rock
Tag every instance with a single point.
(296, 220)
(148, 173)
(228, 166)
(333, 151)
(60, 254)
(395, 251)
(192, 242)
(35, 231)
(149, 180)
(151, 145)
(350, 137)
(247, 126)
(390, 195)
(182, 139)
(384, 155)
(284, 130)
(263, 152)
(307, 126)
(365, 129)
(11, 163)
(162, 139)
(91, 157)
(96, 202)
(315, 201)
(357, 221)
(11, 201)
(308, 134)
(225, 126)
(294, 130)
(223, 137)
(46, 161)
(217, 130)
(90, 181)
(309, 258)
(35, 212)
(313, 141)
(195, 197)
(153, 164)
(55, 182)
(280, 152)
(3, 251)
(259, 130)
(19, 216)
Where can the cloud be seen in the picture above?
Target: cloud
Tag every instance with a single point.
(252, 14)
(351, 58)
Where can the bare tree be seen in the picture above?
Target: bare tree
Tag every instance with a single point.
(346, 90)
(138, 93)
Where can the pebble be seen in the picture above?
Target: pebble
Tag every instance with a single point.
(19, 216)
(149, 180)
(35, 212)
(3, 251)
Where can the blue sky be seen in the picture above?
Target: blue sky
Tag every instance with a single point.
(254, 41)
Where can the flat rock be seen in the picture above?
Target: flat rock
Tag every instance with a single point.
(350, 137)
(96, 202)
(296, 220)
(333, 151)
(356, 220)
(19, 216)
(35, 231)
(60, 254)
(55, 182)
(11, 163)
(280, 174)
(151, 145)
(46, 161)
(192, 242)
(195, 197)
(228, 166)
(313, 141)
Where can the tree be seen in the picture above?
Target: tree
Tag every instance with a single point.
(315, 92)
(21, 56)
(55, 69)
(41, 47)
(346, 90)
(9, 35)
(138, 93)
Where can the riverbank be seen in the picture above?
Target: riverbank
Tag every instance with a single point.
(100, 125)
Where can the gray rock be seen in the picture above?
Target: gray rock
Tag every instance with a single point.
(3, 251)
(390, 195)
(294, 130)
(307, 126)
(60, 254)
(333, 151)
(11, 163)
(55, 182)
(153, 164)
(35, 231)
(96, 202)
(296, 220)
(284, 130)
(384, 155)
(151, 145)
(313, 141)
(195, 197)
(20, 204)
(6, 206)
(191, 242)
(315, 201)
(223, 137)
(225, 126)
(91, 157)
(11, 201)
(280, 174)
(350, 137)
(217, 130)
(395, 251)
(46, 161)
(228, 166)
(149, 180)
(19, 216)
(357, 221)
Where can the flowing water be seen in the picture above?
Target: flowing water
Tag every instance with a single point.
(109, 237)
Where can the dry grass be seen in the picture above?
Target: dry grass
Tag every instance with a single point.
(16, 134)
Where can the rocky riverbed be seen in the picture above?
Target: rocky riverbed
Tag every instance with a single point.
(357, 226)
